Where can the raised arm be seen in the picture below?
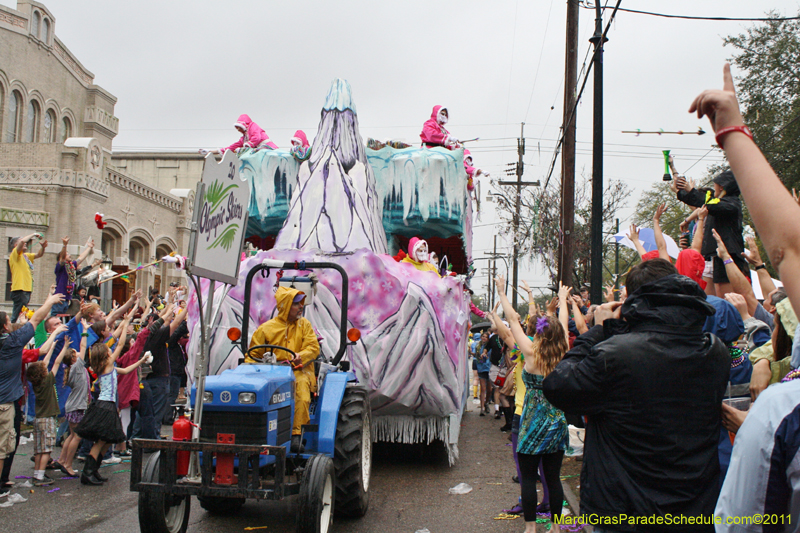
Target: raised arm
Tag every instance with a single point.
(42, 247)
(49, 354)
(175, 324)
(533, 309)
(122, 338)
(84, 342)
(580, 320)
(64, 350)
(699, 230)
(44, 310)
(661, 244)
(764, 279)
(85, 253)
(633, 235)
(44, 348)
(774, 211)
(563, 310)
(63, 253)
(121, 310)
(738, 282)
(502, 331)
(21, 242)
(131, 368)
(522, 340)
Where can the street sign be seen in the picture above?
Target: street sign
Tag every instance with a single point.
(220, 220)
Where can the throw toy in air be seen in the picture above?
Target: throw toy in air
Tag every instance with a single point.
(98, 220)
(178, 260)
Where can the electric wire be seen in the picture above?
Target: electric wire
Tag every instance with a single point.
(690, 17)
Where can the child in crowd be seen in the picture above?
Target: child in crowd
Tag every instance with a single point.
(44, 425)
(101, 423)
(77, 379)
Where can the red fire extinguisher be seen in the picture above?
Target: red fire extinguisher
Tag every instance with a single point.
(182, 431)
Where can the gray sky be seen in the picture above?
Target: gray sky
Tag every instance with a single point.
(183, 71)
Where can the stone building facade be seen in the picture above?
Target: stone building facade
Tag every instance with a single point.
(56, 166)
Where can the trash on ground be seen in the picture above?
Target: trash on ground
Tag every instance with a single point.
(16, 498)
(27, 483)
(461, 488)
(426, 530)
(54, 490)
(506, 516)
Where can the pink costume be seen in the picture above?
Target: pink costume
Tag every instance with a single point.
(300, 136)
(470, 171)
(254, 136)
(474, 309)
(128, 384)
(433, 133)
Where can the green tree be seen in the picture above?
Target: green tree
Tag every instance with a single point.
(540, 225)
(767, 56)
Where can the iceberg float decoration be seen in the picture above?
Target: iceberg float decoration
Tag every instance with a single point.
(414, 325)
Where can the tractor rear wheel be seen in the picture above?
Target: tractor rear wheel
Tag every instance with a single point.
(353, 453)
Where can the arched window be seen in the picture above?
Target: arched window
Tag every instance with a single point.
(46, 32)
(65, 131)
(14, 115)
(32, 122)
(35, 22)
(49, 130)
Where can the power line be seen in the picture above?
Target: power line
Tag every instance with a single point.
(539, 63)
(689, 17)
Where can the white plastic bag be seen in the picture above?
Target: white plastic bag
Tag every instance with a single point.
(461, 488)
(576, 438)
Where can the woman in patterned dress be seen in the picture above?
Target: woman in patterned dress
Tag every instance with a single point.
(543, 433)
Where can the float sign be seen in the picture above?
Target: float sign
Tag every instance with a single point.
(220, 216)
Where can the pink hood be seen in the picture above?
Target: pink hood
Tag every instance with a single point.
(413, 244)
(434, 133)
(254, 136)
(300, 136)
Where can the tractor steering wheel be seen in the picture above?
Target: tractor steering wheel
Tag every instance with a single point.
(270, 346)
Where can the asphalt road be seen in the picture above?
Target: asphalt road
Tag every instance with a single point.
(408, 492)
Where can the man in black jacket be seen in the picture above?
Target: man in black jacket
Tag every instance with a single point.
(724, 215)
(651, 383)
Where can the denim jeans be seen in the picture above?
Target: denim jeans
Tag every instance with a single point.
(159, 388)
(59, 309)
(174, 389)
(20, 299)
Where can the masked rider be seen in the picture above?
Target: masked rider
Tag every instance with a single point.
(433, 131)
(418, 256)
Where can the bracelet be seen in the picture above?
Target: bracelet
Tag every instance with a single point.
(724, 131)
(761, 266)
(727, 261)
(84, 334)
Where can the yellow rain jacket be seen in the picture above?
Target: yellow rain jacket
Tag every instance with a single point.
(298, 336)
(423, 266)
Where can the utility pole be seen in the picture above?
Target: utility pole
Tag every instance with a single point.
(595, 289)
(519, 184)
(568, 158)
(494, 273)
(616, 265)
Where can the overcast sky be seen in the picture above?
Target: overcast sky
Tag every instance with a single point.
(183, 71)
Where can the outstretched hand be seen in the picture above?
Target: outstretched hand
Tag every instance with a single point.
(660, 210)
(754, 257)
(720, 106)
(633, 233)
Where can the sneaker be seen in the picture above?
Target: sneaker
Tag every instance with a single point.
(125, 453)
(43, 482)
(112, 460)
(17, 498)
(80, 458)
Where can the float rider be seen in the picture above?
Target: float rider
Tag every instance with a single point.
(291, 330)
(418, 256)
(301, 149)
(434, 133)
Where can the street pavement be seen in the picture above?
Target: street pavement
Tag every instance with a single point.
(408, 492)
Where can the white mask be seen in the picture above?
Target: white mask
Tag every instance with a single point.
(442, 119)
(422, 256)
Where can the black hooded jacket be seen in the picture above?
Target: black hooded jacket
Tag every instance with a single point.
(724, 215)
(651, 385)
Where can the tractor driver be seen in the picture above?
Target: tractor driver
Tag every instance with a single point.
(293, 331)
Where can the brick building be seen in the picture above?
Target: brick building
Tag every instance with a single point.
(56, 133)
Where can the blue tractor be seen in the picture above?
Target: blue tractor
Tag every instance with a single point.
(245, 430)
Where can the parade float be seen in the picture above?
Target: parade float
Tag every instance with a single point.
(357, 206)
